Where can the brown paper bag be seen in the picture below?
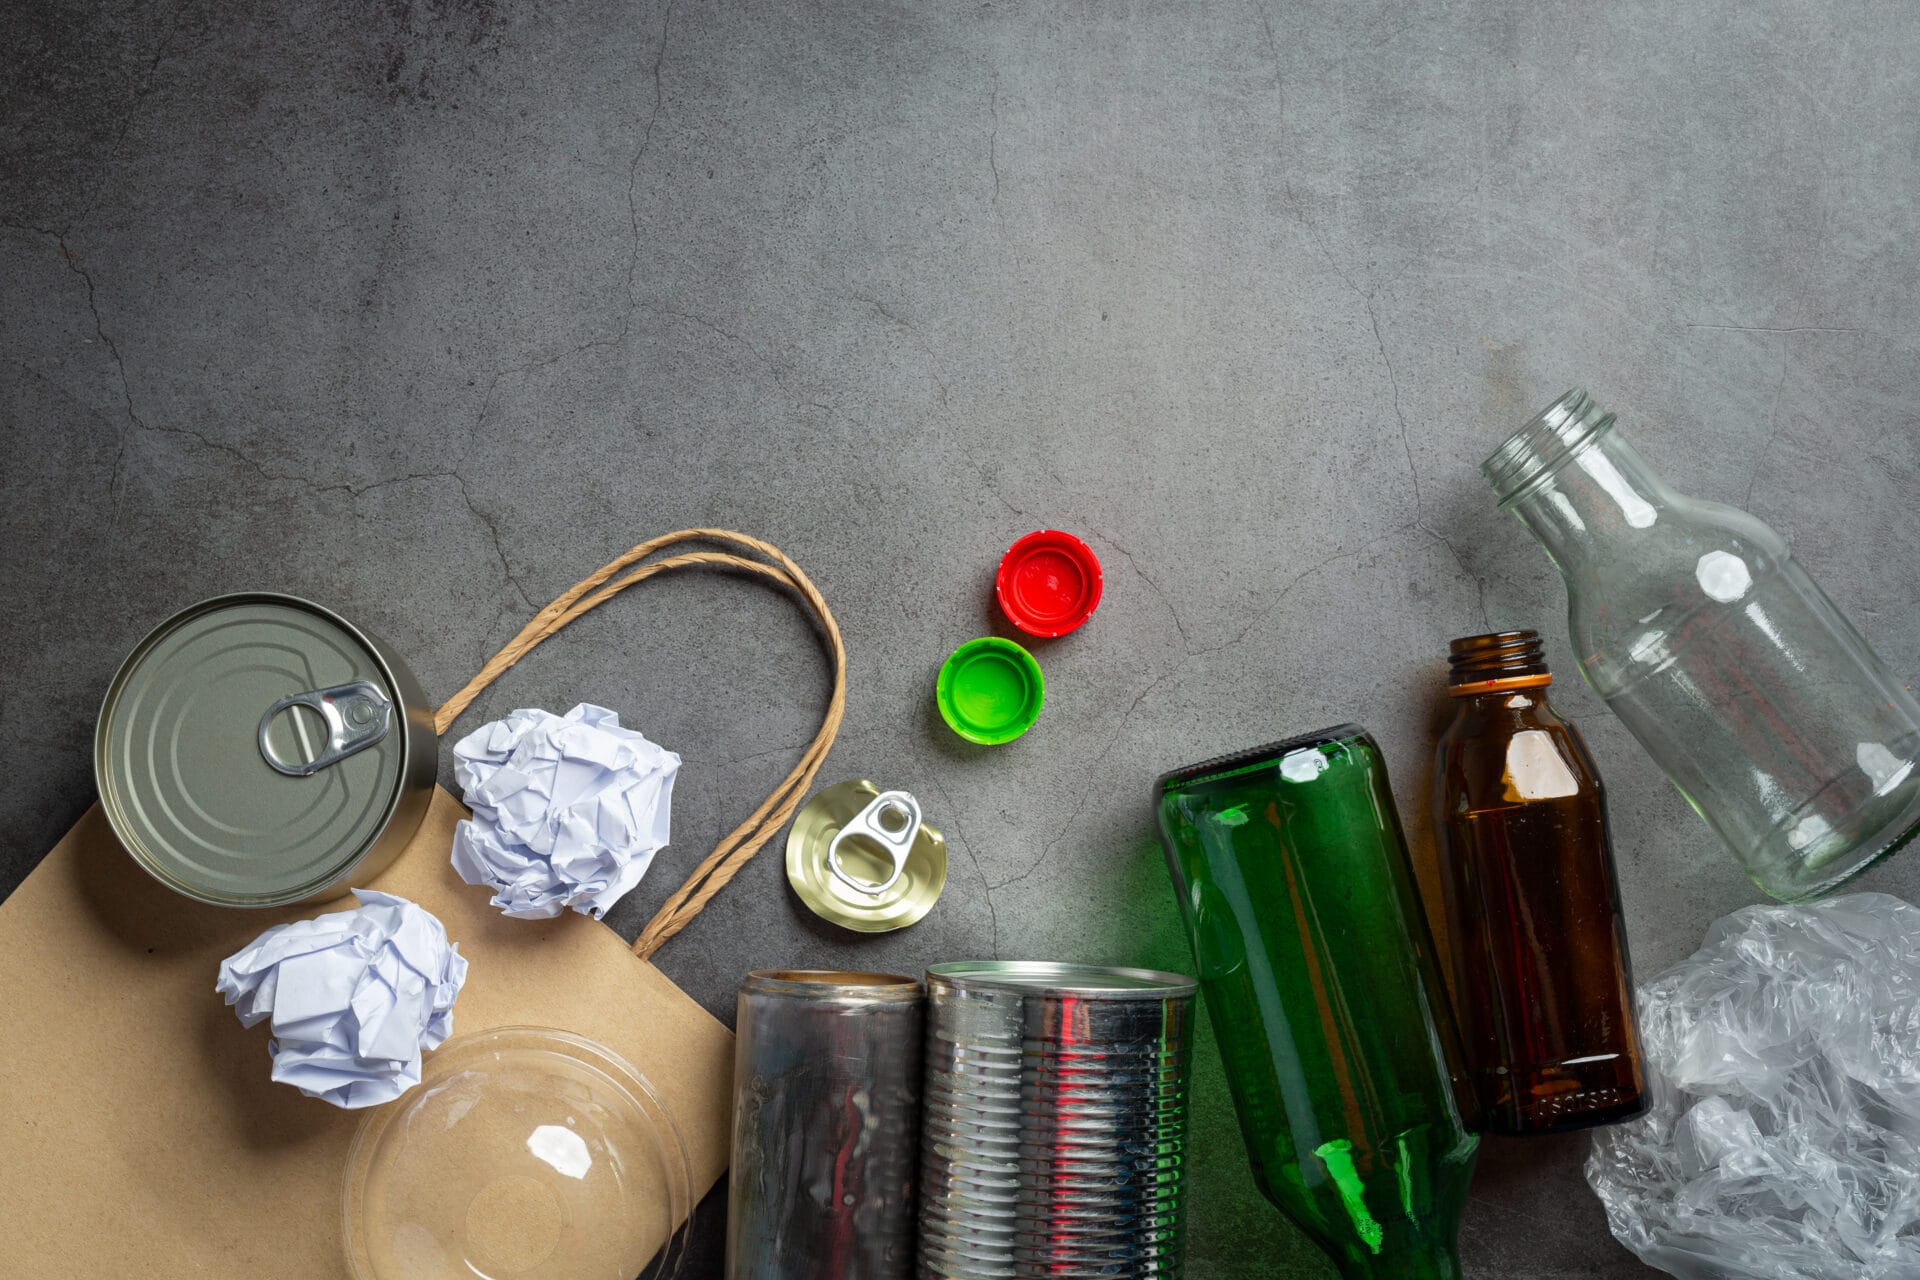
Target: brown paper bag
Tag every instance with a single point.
(142, 1136)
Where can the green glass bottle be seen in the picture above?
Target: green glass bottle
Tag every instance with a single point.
(1331, 1016)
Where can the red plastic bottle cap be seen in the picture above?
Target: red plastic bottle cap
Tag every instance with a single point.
(1049, 583)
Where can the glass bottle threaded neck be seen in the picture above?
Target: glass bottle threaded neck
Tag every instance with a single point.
(1496, 661)
(1544, 445)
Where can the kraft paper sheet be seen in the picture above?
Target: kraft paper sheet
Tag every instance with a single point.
(139, 1133)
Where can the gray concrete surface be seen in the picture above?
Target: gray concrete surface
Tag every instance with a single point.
(426, 309)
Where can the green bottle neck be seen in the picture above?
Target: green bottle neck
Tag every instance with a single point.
(1436, 1262)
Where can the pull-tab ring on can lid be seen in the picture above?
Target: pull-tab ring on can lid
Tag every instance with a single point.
(356, 715)
(213, 777)
(887, 880)
(891, 821)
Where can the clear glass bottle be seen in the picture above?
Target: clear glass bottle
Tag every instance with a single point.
(1785, 732)
(1542, 985)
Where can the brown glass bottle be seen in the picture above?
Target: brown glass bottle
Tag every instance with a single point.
(1544, 988)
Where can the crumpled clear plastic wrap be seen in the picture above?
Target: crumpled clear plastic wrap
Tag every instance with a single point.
(568, 811)
(1783, 1137)
(354, 997)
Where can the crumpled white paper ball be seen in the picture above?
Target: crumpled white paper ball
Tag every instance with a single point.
(354, 997)
(568, 811)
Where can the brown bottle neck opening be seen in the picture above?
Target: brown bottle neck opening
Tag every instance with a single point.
(1495, 663)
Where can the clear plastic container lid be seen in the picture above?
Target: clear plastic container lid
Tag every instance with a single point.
(524, 1154)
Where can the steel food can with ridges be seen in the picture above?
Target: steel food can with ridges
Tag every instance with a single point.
(1053, 1141)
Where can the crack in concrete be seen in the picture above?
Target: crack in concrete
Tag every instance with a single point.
(952, 833)
(1313, 234)
(355, 491)
(629, 304)
(1479, 584)
(711, 327)
(934, 368)
(493, 533)
(138, 424)
(1762, 328)
(1086, 793)
(119, 363)
(1413, 471)
(751, 756)
(1773, 431)
(993, 487)
(1399, 413)
(232, 451)
(640, 153)
(775, 369)
(140, 95)
(544, 362)
(1275, 603)
(1186, 642)
(1393, 381)
(1273, 55)
(993, 139)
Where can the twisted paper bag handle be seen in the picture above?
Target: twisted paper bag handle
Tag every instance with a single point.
(732, 853)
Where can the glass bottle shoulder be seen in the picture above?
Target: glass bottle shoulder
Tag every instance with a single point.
(1503, 749)
(1692, 567)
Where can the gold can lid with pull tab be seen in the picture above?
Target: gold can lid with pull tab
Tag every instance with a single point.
(865, 859)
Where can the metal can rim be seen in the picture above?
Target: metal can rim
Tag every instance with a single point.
(865, 986)
(1047, 978)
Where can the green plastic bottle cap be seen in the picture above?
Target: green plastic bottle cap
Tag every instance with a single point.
(990, 691)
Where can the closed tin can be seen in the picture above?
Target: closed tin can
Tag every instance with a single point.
(1054, 1133)
(257, 750)
(826, 1126)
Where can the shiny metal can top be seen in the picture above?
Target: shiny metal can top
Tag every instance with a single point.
(258, 749)
(839, 986)
(1046, 978)
(863, 896)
